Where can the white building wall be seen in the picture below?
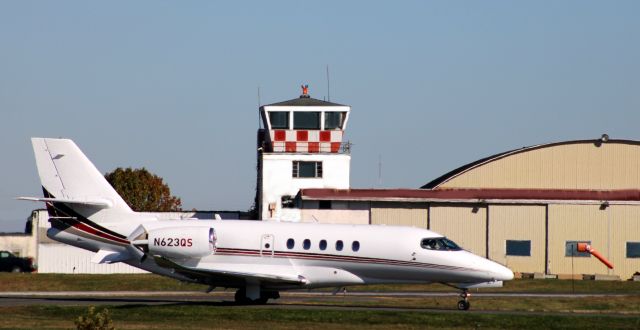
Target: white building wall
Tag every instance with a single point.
(278, 181)
(66, 259)
(23, 245)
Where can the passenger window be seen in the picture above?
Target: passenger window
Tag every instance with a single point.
(339, 245)
(306, 244)
(323, 245)
(355, 246)
(290, 243)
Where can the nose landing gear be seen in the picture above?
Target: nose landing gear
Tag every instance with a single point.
(464, 304)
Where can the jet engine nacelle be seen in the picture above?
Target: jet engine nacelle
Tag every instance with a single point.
(182, 242)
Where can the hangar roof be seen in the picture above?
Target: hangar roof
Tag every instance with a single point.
(467, 195)
(438, 182)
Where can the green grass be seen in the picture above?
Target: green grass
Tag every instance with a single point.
(313, 312)
(204, 316)
(92, 282)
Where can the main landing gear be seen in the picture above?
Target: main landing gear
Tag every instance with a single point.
(464, 304)
(242, 299)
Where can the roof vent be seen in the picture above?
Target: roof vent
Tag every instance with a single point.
(305, 92)
(604, 138)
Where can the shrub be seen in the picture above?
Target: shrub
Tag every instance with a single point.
(94, 321)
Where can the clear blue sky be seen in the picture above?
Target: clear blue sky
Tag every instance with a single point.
(172, 85)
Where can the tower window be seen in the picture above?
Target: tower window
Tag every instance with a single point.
(279, 119)
(333, 120)
(307, 169)
(306, 120)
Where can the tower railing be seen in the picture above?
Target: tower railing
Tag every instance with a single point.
(307, 147)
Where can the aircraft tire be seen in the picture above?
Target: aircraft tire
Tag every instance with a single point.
(241, 297)
(463, 305)
(261, 301)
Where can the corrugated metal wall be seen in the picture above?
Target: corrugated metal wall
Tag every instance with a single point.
(518, 222)
(608, 229)
(569, 166)
(577, 223)
(463, 224)
(66, 259)
(625, 227)
(399, 214)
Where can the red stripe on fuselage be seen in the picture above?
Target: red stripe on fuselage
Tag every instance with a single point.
(333, 257)
(93, 231)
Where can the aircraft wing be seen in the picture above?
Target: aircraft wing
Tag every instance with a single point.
(235, 274)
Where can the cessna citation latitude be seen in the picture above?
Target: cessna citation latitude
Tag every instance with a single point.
(258, 258)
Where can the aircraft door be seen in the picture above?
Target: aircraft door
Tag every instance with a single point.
(266, 245)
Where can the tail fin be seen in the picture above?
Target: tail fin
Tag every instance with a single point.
(69, 177)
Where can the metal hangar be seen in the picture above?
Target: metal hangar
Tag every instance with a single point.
(526, 208)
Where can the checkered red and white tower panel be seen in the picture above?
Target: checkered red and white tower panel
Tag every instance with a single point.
(306, 141)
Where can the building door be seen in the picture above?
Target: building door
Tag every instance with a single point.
(266, 245)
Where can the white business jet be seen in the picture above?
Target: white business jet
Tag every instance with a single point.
(259, 258)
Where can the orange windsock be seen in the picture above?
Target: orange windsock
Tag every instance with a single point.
(584, 247)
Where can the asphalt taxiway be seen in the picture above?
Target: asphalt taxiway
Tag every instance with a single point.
(288, 300)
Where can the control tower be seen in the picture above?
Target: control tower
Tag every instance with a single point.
(301, 146)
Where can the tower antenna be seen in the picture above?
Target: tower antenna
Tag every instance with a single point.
(379, 170)
(259, 104)
(328, 86)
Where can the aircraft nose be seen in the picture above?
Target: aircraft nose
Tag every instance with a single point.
(503, 273)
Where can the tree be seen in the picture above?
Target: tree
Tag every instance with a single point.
(142, 190)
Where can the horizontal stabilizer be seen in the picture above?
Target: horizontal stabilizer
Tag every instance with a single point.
(109, 257)
(99, 203)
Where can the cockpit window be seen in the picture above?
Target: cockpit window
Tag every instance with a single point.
(439, 243)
